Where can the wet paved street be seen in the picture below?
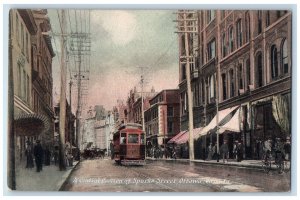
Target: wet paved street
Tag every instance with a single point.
(172, 176)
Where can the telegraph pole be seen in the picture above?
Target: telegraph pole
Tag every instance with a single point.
(62, 104)
(70, 101)
(142, 96)
(187, 30)
(11, 131)
(78, 112)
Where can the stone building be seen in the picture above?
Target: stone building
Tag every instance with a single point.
(42, 82)
(32, 78)
(241, 59)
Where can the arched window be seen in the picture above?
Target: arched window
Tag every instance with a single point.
(224, 45)
(210, 15)
(259, 22)
(203, 91)
(285, 61)
(259, 70)
(274, 62)
(248, 72)
(267, 18)
(231, 80)
(212, 87)
(224, 86)
(230, 39)
(247, 21)
(211, 49)
(239, 34)
(240, 75)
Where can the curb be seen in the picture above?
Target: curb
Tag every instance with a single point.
(65, 177)
(230, 164)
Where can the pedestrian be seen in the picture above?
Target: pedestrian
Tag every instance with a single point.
(112, 151)
(287, 149)
(210, 152)
(224, 151)
(38, 154)
(29, 155)
(239, 152)
(234, 150)
(215, 153)
(267, 149)
(279, 150)
(47, 156)
(56, 153)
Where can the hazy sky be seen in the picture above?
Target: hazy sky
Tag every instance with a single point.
(123, 41)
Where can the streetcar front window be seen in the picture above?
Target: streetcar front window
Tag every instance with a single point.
(133, 138)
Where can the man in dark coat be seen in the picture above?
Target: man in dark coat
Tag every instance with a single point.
(38, 154)
(240, 152)
(224, 150)
(29, 156)
(112, 150)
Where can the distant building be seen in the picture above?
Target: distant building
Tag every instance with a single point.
(120, 113)
(134, 105)
(69, 124)
(162, 119)
(88, 134)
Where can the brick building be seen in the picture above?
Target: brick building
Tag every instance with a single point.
(244, 58)
(162, 120)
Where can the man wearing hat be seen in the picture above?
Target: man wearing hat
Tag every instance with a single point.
(38, 154)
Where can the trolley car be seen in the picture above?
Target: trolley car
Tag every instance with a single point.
(129, 145)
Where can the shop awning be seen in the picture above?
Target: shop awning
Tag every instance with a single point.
(31, 124)
(233, 124)
(185, 137)
(176, 137)
(224, 116)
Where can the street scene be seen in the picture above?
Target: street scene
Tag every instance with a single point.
(150, 100)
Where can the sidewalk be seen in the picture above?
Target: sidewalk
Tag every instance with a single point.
(254, 164)
(50, 179)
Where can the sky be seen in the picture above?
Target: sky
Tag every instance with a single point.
(122, 42)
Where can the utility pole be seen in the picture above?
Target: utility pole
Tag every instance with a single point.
(187, 30)
(142, 97)
(218, 78)
(78, 112)
(70, 125)
(11, 131)
(62, 104)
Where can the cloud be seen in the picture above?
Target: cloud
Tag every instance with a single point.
(120, 25)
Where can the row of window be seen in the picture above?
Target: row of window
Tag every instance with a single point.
(228, 43)
(23, 83)
(238, 79)
(22, 36)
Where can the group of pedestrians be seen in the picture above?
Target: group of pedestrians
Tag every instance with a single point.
(36, 155)
(35, 152)
(280, 149)
(224, 151)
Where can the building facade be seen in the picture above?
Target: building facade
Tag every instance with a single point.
(42, 82)
(162, 119)
(22, 27)
(29, 115)
(134, 105)
(243, 59)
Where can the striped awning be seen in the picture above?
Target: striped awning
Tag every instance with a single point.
(176, 137)
(31, 124)
(185, 137)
